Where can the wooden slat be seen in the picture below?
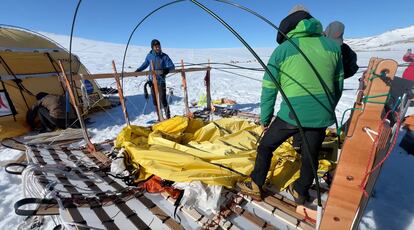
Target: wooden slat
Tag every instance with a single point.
(287, 208)
(133, 74)
(158, 212)
(199, 218)
(73, 212)
(120, 93)
(345, 194)
(281, 207)
(184, 85)
(155, 90)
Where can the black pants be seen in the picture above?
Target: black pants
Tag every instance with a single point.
(278, 132)
(50, 123)
(162, 93)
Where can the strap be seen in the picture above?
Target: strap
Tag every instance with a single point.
(366, 98)
(382, 76)
(6, 93)
(146, 95)
(25, 201)
(20, 166)
(177, 204)
(106, 220)
(130, 214)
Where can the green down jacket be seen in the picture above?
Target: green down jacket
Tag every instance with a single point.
(299, 81)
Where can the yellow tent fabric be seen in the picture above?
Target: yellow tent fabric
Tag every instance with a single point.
(29, 65)
(221, 152)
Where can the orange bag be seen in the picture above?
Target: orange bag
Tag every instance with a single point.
(155, 185)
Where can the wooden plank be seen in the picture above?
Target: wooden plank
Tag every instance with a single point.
(156, 92)
(159, 213)
(235, 207)
(345, 194)
(75, 105)
(285, 207)
(172, 224)
(120, 93)
(133, 74)
(278, 206)
(216, 221)
(184, 85)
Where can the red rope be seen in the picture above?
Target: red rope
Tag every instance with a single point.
(307, 217)
(394, 141)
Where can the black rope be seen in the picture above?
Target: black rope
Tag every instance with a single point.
(6, 93)
(52, 62)
(133, 31)
(177, 204)
(71, 83)
(287, 75)
(222, 63)
(17, 81)
(70, 41)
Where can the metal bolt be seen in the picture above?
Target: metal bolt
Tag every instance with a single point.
(350, 178)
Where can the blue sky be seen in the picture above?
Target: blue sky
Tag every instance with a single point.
(183, 25)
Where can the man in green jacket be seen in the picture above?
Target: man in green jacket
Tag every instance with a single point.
(310, 103)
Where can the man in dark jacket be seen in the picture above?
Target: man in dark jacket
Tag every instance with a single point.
(51, 111)
(306, 96)
(335, 30)
(162, 65)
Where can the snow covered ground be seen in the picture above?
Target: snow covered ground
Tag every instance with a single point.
(390, 208)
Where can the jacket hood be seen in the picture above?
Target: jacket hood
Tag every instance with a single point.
(335, 31)
(290, 22)
(306, 28)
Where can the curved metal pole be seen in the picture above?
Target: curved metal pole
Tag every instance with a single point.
(324, 86)
(70, 65)
(70, 41)
(277, 85)
(136, 27)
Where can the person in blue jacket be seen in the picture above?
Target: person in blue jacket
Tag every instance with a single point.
(162, 66)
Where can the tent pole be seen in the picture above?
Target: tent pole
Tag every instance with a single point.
(67, 107)
(184, 85)
(12, 108)
(90, 146)
(155, 91)
(7, 68)
(207, 83)
(52, 62)
(121, 94)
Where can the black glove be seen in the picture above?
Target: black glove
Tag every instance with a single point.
(165, 72)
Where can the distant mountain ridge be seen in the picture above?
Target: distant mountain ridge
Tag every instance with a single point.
(389, 41)
(97, 55)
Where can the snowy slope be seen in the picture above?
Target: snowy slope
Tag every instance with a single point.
(97, 57)
(399, 39)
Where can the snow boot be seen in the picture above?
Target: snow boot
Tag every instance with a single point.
(299, 199)
(251, 189)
